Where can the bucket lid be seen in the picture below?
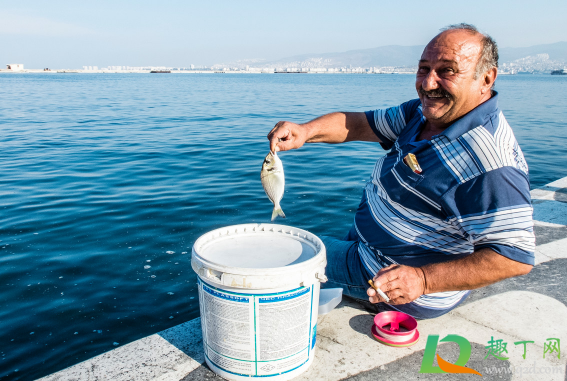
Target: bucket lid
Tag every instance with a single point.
(259, 256)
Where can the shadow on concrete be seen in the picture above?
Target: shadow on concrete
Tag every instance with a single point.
(549, 278)
(362, 324)
(362, 304)
(560, 193)
(547, 234)
(187, 338)
(407, 368)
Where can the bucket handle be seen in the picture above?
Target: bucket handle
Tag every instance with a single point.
(321, 277)
(213, 274)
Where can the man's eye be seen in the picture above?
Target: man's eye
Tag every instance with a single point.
(423, 69)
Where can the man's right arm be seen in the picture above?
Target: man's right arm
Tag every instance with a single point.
(337, 127)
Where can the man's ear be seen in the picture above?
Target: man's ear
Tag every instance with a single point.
(488, 79)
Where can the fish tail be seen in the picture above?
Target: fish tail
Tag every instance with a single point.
(277, 212)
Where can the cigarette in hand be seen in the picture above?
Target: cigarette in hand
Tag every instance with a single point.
(380, 292)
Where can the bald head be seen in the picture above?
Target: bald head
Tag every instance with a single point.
(488, 57)
(464, 44)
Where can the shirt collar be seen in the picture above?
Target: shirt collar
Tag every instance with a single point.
(474, 118)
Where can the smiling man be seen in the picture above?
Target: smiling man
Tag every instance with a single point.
(448, 209)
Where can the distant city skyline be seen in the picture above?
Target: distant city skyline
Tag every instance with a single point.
(66, 34)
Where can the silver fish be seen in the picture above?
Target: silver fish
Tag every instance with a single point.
(273, 182)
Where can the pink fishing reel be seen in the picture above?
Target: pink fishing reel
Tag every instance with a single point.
(395, 329)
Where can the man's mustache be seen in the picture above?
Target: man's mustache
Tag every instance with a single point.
(435, 93)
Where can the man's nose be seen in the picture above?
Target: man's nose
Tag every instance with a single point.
(430, 81)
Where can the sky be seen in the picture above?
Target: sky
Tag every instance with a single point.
(71, 34)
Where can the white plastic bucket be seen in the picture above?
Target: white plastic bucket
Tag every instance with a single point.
(259, 295)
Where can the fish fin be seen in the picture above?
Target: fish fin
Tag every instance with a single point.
(277, 212)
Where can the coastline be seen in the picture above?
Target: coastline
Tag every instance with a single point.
(69, 71)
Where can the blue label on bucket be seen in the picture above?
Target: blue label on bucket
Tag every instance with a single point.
(232, 298)
(314, 336)
(261, 335)
(281, 298)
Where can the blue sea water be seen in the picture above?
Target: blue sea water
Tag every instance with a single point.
(106, 181)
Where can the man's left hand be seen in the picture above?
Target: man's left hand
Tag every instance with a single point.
(402, 284)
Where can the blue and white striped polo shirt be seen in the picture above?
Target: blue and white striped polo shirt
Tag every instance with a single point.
(473, 193)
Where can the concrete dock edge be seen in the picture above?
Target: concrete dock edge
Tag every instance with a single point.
(529, 308)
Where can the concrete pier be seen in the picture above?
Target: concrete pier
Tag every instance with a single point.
(528, 308)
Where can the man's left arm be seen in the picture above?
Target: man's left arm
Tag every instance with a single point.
(404, 284)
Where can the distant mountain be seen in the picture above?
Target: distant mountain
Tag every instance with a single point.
(396, 55)
(556, 51)
(392, 55)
